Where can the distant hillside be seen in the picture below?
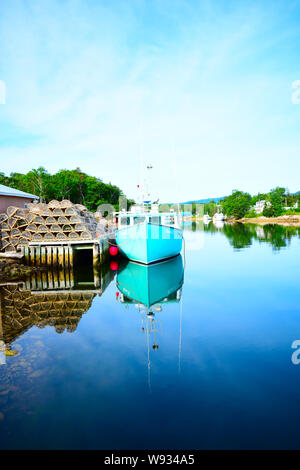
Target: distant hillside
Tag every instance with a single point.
(204, 201)
(215, 199)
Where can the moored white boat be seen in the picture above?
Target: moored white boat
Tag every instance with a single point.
(206, 218)
(218, 217)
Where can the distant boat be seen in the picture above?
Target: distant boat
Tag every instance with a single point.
(218, 217)
(206, 218)
(148, 236)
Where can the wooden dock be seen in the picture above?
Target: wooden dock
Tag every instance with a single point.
(63, 253)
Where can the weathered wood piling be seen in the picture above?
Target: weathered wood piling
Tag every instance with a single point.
(62, 254)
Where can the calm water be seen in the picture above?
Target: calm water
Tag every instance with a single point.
(210, 368)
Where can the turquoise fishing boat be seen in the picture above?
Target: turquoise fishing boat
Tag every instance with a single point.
(148, 237)
(150, 285)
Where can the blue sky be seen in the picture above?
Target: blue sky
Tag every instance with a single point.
(200, 89)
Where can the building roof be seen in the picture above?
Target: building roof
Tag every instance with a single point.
(7, 191)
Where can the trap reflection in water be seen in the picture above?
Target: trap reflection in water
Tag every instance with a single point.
(56, 297)
(239, 319)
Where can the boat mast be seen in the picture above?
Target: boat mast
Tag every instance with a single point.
(142, 172)
(146, 191)
(176, 180)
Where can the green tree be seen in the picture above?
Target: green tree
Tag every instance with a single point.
(4, 179)
(237, 204)
(210, 208)
(74, 185)
(37, 182)
(275, 200)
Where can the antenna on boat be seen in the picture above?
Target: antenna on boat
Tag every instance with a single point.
(141, 185)
(146, 192)
(176, 180)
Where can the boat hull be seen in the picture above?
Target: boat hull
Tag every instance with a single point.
(148, 243)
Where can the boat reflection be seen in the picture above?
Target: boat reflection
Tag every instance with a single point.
(219, 224)
(149, 288)
(151, 285)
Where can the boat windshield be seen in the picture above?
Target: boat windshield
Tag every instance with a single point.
(155, 219)
(138, 219)
(125, 220)
(170, 219)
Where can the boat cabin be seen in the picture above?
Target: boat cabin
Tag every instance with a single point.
(169, 219)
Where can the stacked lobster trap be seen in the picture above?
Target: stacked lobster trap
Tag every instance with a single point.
(54, 222)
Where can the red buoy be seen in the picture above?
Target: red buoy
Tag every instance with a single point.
(113, 250)
(114, 266)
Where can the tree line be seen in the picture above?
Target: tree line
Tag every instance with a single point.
(75, 185)
(241, 204)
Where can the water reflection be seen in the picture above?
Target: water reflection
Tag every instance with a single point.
(60, 297)
(242, 235)
(237, 334)
(150, 285)
(54, 297)
(149, 288)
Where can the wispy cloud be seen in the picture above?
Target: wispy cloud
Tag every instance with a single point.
(202, 86)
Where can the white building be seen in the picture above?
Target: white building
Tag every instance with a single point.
(260, 205)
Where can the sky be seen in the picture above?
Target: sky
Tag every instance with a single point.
(201, 90)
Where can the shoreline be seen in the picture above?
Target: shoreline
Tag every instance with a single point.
(286, 220)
